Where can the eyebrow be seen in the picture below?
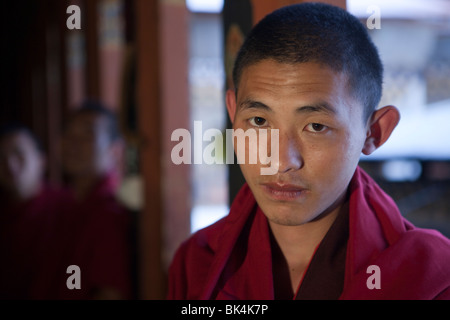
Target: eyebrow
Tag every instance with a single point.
(323, 107)
(252, 104)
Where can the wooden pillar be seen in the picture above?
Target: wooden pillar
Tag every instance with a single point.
(55, 85)
(262, 8)
(163, 106)
(75, 64)
(92, 50)
(151, 276)
(177, 190)
(43, 82)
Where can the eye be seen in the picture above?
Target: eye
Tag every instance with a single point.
(316, 127)
(257, 121)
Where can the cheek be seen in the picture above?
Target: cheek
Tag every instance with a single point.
(86, 150)
(251, 172)
(31, 168)
(333, 165)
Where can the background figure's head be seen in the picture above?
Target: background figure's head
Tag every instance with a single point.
(320, 33)
(91, 145)
(22, 162)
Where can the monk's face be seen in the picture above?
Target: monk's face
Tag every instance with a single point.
(21, 166)
(321, 135)
(87, 146)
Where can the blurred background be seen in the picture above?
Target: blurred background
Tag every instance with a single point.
(161, 65)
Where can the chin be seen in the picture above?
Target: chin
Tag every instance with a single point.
(287, 214)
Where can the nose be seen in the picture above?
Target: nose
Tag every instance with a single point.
(290, 158)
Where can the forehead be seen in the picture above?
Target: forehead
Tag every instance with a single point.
(301, 83)
(86, 121)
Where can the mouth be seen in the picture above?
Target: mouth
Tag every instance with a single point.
(283, 192)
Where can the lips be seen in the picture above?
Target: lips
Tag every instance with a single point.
(283, 192)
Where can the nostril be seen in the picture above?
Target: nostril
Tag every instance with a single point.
(289, 158)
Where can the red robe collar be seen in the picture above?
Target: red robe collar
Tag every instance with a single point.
(232, 258)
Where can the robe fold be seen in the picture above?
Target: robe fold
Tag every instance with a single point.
(232, 258)
(26, 232)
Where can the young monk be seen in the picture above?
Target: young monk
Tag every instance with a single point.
(97, 225)
(320, 228)
(30, 208)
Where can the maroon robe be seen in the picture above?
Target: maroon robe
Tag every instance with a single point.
(26, 233)
(96, 238)
(231, 259)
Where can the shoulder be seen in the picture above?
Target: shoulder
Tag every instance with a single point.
(414, 267)
(418, 264)
(205, 252)
(209, 239)
(427, 244)
(192, 262)
(202, 243)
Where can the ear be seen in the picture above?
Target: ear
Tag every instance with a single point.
(231, 104)
(381, 125)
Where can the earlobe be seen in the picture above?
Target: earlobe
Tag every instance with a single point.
(381, 126)
(231, 104)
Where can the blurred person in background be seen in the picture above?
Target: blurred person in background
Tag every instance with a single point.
(97, 226)
(29, 209)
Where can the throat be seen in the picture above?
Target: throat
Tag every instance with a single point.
(287, 275)
(306, 259)
(293, 248)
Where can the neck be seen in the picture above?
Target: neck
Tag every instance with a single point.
(82, 186)
(299, 242)
(23, 195)
(294, 246)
